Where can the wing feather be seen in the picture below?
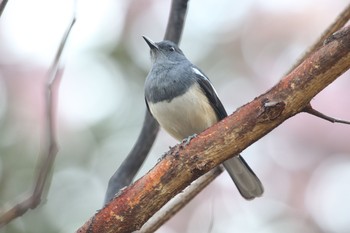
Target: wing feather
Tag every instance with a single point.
(210, 93)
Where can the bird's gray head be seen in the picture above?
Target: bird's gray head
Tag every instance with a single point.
(164, 51)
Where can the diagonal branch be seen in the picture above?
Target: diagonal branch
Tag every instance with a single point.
(171, 208)
(2, 6)
(135, 204)
(340, 22)
(132, 163)
(49, 149)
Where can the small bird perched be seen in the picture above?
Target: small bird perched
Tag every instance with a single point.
(184, 102)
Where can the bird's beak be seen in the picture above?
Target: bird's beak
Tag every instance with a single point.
(150, 43)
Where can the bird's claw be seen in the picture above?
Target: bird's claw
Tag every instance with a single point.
(188, 139)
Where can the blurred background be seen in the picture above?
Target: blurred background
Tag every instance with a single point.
(245, 47)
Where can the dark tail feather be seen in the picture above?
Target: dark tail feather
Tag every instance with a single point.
(248, 184)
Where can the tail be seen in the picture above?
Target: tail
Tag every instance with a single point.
(248, 184)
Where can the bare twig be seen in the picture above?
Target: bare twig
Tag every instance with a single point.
(49, 148)
(132, 163)
(2, 6)
(312, 111)
(171, 208)
(135, 204)
(336, 35)
(339, 22)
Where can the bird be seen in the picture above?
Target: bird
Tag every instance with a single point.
(184, 102)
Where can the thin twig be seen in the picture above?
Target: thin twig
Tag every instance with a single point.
(309, 109)
(49, 153)
(339, 22)
(132, 163)
(171, 208)
(50, 149)
(2, 6)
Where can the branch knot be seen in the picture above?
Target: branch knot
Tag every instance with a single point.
(271, 110)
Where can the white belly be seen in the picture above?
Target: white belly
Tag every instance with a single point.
(184, 115)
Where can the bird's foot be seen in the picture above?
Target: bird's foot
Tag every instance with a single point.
(188, 139)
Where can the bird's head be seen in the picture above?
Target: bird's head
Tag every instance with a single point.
(164, 51)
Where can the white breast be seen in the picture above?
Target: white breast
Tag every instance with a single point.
(185, 115)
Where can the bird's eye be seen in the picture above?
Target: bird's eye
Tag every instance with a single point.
(172, 49)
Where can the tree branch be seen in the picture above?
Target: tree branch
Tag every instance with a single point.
(176, 21)
(340, 21)
(49, 148)
(177, 203)
(131, 208)
(132, 163)
(2, 6)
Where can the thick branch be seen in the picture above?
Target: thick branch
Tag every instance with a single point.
(184, 163)
(176, 21)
